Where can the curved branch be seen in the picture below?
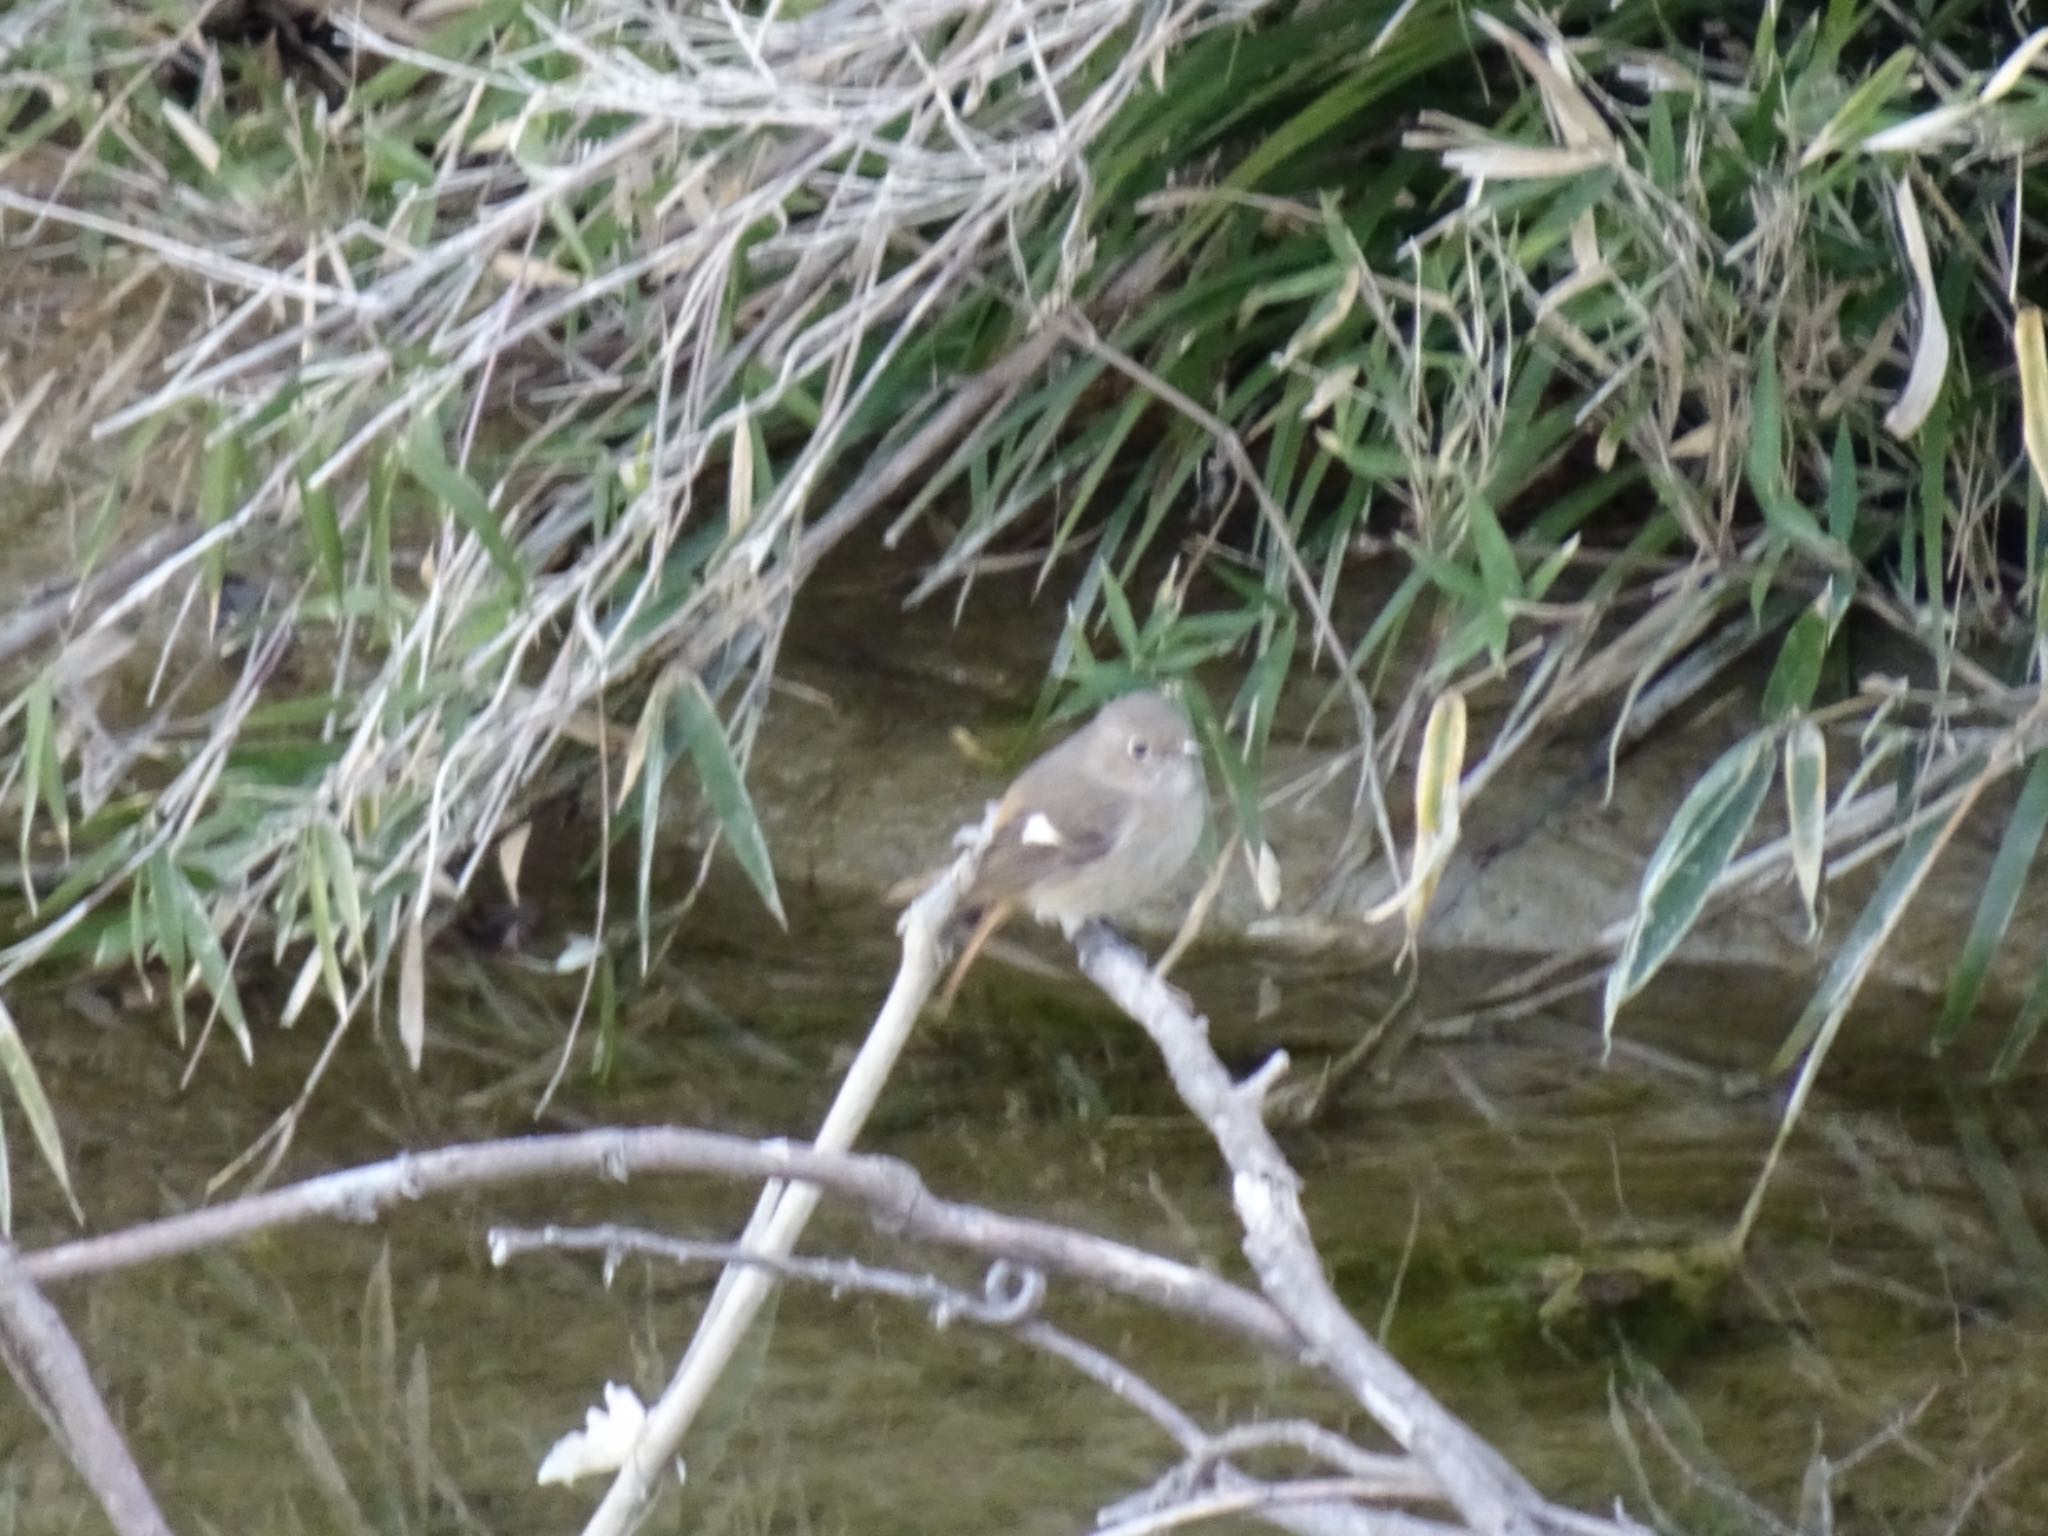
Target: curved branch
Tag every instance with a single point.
(897, 1198)
(1487, 1491)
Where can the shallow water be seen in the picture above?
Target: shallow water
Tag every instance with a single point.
(1895, 1261)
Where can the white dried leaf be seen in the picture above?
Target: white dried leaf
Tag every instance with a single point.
(603, 1444)
(205, 148)
(412, 992)
(1265, 874)
(1930, 352)
(1947, 124)
(2015, 68)
(1521, 162)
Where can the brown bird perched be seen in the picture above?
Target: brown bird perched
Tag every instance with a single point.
(1092, 828)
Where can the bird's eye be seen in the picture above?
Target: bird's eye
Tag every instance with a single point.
(1140, 749)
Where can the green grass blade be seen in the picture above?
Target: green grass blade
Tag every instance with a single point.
(719, 772)
(1875, 924)
(204, 946)
(42, 1119)
(1797, 672)
(652, 735)
(428, 464)
(1996, 904)
(167, 928)
(323, 533)
(2026, 1025)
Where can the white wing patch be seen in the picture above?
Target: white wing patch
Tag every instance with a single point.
(1039, 832)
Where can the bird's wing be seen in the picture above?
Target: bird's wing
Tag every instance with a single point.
(1033, 845)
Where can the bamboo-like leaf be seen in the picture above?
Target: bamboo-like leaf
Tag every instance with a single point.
(1330, 312)
(39, 732)
(1845, 498)
(1996, 904)
(726, 788)
(416, 1417)
(340, 863)
(1806, 811)
(1122, 621)
(412, 990)
(511, 855)
(1874, 924)
(35, 1104)
(2032, 354)
(1822, 1020)
(1797, 672)
(1852, 120)
(1767, 457)
(645, 733)
(377, 1341)
(1709, 826)
(302, 989)
(383, 481)
(1931, 347)
(167, 927)
(428, 464)
(220, 483)
(1437, 808)
(1496, 556)
(739, 492)
(325, 1470)
(651, 738)
(323, 533)
(2026, 1025)
(319, 904)
(203, 944)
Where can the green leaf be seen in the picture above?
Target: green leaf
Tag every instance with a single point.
(319, 904)
(204, 945)
(1497, 567)
(1797, 672)
(1767, 458)
(323, 532)
(1122, 621)
(719, 772)
(1856, 119)
(653, 774)
(1934, 512)
(220, 484)
(2026, 1025)
(42, 1119)
(1845, 499)
(1704, 834)
(341, 869)
(1875, 924)
(1996, 904)
(42, 773)
(428, 464)
(383, 480)
(167, 927)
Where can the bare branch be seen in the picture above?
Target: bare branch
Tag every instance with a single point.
(46, 1363)
(1488, 1492)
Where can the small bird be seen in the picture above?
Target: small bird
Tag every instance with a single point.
(1092, 828)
